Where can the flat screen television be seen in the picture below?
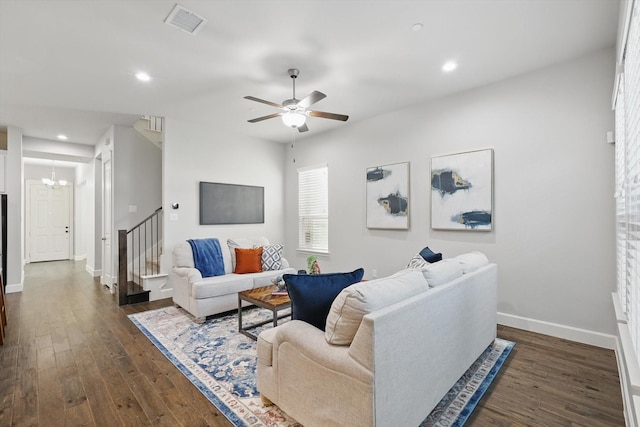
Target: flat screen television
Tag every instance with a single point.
(231, 204)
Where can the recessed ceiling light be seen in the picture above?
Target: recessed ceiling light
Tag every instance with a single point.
(63, 137)
(143, 77)
(417, 26)
(449, 66)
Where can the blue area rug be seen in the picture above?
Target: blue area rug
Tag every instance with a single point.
(221, 363)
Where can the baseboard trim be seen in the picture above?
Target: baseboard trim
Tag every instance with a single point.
(584, 336)
(11, 289)
(92, 272)
(79, 257)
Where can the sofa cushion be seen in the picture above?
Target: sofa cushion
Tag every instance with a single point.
(182, 255)
(360, 299)
(312, 294)
(430, 256)
(248, 260)
(244, 242)
(472, 261)
(221, 285)
(442, 272)
(272, 257)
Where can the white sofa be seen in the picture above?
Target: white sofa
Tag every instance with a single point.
(403, 358)
(212, 295)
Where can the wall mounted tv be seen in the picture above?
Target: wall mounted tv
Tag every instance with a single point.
(231, 204)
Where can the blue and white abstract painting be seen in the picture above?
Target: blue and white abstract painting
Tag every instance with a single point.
(388, 196)
(462, 191)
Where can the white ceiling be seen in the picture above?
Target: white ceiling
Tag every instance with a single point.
(68, 66)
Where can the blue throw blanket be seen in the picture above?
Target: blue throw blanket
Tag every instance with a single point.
(207, 256)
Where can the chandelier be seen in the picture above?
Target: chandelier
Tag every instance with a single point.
(52, 182)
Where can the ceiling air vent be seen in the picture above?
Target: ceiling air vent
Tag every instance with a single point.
(185, 20)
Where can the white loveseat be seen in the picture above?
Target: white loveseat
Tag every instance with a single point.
(396, 363)
(212, 295)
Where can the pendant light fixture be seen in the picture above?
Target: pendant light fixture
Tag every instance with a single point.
(53, 183)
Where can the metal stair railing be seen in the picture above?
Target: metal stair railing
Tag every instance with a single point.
(139, 251)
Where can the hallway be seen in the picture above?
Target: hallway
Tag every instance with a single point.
(72, 358)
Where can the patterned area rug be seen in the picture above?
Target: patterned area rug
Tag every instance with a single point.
(221, 363)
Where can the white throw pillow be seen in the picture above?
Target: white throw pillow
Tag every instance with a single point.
(359, 299)
(442, 272)
(244, 242)
(472, 261)
(183, 255)
(417, 262)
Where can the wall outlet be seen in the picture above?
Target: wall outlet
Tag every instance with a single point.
(374, 274)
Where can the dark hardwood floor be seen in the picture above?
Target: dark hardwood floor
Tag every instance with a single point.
(72, 358)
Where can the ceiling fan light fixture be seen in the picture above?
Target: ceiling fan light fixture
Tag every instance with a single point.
(294, 119)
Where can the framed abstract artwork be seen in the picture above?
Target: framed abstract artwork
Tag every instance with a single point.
(387, 196)
(462, 191)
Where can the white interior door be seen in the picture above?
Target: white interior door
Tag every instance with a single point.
(107, 277)
(49, 223)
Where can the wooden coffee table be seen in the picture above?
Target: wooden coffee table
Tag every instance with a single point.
(262, 297)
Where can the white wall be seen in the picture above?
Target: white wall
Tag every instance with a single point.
(38, 172)
(84, 215)
(553, 239)
(137, 178)
(15, 210)
(194, 153)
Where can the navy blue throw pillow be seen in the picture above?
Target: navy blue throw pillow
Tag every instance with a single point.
(312, 294)
(430, 256)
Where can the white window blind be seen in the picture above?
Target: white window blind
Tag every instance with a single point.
(313, 209)
(620, 196)
(628, 180)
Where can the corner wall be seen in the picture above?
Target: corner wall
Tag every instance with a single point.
(194, 153)
(14, 187)
(553, 237)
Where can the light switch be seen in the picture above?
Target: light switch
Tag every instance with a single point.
(133, 208)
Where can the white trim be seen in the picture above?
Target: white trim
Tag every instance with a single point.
(11, 289)
(79, 257)
(584, 336)
(312, 167)
(629, 374)
(92, 272)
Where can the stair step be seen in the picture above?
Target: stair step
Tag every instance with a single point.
(136, 294)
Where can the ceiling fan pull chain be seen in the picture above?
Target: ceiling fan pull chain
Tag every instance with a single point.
(293, 154)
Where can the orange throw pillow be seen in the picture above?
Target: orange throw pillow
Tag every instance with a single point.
(248, 260)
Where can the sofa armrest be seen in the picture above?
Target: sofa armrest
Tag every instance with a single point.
(309, 342)
(190, 273)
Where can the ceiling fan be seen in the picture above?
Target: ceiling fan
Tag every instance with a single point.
(294, 112)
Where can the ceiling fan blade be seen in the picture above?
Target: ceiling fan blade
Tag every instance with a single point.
(311, 99)
(253, 98)
(259, 119)
(332, 116)
(303, 128)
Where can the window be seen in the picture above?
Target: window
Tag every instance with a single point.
(627, 109)
(313, 209)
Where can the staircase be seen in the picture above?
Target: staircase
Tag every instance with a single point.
(151, 128)
(139, 256)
